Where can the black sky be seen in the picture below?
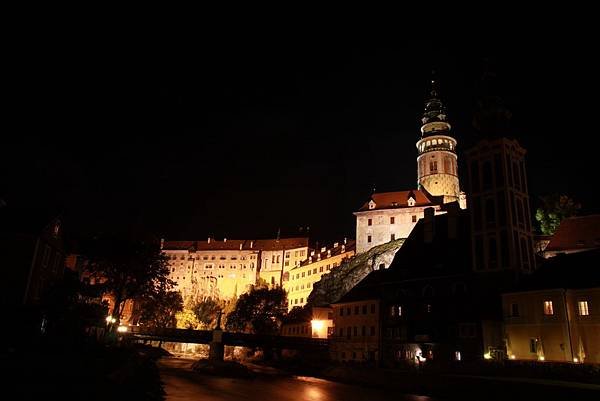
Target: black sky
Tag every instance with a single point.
(241, 137)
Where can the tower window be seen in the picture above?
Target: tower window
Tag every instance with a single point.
(414, 219)
(370, 222)
(548, 309)
(583, 308)
(392, 220)
(369, 238)
(393, 237)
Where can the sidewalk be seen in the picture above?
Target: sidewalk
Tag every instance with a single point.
(547, 382)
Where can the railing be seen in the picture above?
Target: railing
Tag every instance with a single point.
(240, 339)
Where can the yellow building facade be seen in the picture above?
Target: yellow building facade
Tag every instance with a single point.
(560, 325)
(300, 280)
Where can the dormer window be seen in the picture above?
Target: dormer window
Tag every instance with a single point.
(411, 201)
(372, 204)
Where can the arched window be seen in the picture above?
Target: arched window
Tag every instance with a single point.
(428, 291)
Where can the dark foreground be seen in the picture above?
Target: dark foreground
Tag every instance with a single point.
(181, 383)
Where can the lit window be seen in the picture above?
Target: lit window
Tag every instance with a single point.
(583, 308)
(548, 310)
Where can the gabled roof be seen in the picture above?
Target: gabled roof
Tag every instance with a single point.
(399, 199)
(576, 233)
(570, 271)
(236, 244)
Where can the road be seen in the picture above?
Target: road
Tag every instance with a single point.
(182, 384)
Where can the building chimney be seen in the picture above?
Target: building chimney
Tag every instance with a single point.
(453, 211)
(336, 244)
(429, 225)
(241, 245)
(209, 240)
(343, 248)
(251, 244)
(329, 253)
(162, 243)
(345, 240)
(224, 239)
(323, 249)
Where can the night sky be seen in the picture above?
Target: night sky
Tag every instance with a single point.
(240, 138)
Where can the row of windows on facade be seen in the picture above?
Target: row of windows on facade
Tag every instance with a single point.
(449, 166)
(436, 142)
(205, 257)
(301, 287)
(313, 271)
(210, 277)
(295, 301)
(392, 238)
(357, 310)
(485, 181)
(582, 309)
(353, 331)
(210, 266)
(392, 220)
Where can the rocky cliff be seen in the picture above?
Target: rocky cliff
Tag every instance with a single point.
(341, 279)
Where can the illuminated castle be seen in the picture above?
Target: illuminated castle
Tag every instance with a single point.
(391, 216)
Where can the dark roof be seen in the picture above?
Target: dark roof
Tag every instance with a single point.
(419, 260)
(399, 199)
(569, 271)
(232, 245)
(576, 233)
(26, 221)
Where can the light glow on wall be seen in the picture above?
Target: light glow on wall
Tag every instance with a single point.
(122, 329)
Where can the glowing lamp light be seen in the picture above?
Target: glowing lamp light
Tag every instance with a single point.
(122, 329)
(487, 355)
(317, 324)
(110, 319)
(512, 357)
(575, 360)
(541, 358)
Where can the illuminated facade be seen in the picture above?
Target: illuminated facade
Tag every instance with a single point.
(228, 268)
(300, 280)
(392, 215)
(356, 330)
(556, 316)
(317, 323)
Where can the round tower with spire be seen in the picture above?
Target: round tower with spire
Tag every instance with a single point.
(437, 164)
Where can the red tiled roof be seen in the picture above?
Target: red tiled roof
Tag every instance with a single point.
(576, 233)
(391, 200)
(232, 245)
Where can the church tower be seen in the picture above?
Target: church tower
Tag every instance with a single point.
(437, 161)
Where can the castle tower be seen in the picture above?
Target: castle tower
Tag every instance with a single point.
(437, 161)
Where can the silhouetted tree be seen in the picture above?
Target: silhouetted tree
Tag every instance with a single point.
(159, 309)
(259, 311)
(128, 270)
(555, 208)
(206, 311)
